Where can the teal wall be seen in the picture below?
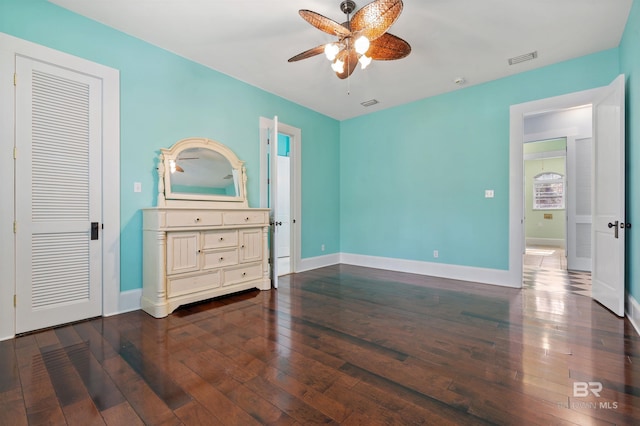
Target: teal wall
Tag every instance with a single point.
(427, 164)
(284, 145)
(165, 98)
(630, 66)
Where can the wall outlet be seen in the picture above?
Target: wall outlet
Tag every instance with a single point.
(488, 193)
(435, 254)
(322, 247)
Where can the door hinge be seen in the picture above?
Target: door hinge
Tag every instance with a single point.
(15, 79)
(15, 226)
(15, 153)
(15, 300)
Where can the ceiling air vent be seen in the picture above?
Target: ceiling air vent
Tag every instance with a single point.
(369, 102)
(523, 58)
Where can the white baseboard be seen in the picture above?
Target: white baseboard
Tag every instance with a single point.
(633, 312)
(128, 301)
(441, 270)
(549, 242)
(318, 262)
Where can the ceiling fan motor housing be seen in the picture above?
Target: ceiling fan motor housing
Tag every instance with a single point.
(347, 6)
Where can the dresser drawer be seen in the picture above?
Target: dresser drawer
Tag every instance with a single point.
(219, 239)
(179, 218)
(219, 258)
(245, 218)
(178, 285)
(242, 274)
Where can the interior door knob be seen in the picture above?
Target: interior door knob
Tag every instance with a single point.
(615, 227)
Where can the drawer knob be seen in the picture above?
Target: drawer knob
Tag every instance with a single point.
(246, 219)
(199, 251)
(244, 274)
(242, 246)
(221, 259)
(197, 219)
(221, 238)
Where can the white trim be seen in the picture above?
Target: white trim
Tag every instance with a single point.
(111, 176)
(633, 312)
(128, 301)
(551, 242)
(550, 134)
(441, 270)
(545, 154)
(7, 260)
(311, 263)
(516, 144)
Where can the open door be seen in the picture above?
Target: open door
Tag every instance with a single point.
(272, 195)
(609, 225)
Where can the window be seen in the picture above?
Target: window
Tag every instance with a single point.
(548, 191)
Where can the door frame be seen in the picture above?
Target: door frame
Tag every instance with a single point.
(295, 135)
(10, 46)
(517, 114)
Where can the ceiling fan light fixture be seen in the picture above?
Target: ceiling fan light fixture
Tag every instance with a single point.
(331, 51)
(362, 45)
(338, 66)
(364, 61)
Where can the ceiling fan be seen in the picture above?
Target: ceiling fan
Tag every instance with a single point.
(361, 39)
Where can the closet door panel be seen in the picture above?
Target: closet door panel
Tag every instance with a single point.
(58, 187)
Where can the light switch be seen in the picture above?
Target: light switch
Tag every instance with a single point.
(137, 187)
(488, 193)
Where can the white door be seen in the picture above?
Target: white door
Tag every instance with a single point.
(272, 199)
(58, 195)
(284, 213)
(609, 225)
(579, 176)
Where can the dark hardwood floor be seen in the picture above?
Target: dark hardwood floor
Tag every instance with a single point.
(338, 345)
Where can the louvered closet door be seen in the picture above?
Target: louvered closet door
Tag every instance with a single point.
(58, 195)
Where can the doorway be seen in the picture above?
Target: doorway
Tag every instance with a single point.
(563, 117)
(288, 182)
(608, 188)
(546, 204)
(284, 204)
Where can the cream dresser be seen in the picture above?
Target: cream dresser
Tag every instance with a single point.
(202, 245)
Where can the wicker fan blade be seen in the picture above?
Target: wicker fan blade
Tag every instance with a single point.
(308, 53)
(388, 47)
(350, 59)
(323, 23)
(375, 18)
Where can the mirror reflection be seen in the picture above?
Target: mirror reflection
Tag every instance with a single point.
(203, 171)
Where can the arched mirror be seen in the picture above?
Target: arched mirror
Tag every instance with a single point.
(200, 170)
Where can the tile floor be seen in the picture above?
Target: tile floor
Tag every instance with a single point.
(545, 268)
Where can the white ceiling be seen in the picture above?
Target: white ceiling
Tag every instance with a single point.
(251, 41)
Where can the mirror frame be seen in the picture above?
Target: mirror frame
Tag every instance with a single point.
(167, 198)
